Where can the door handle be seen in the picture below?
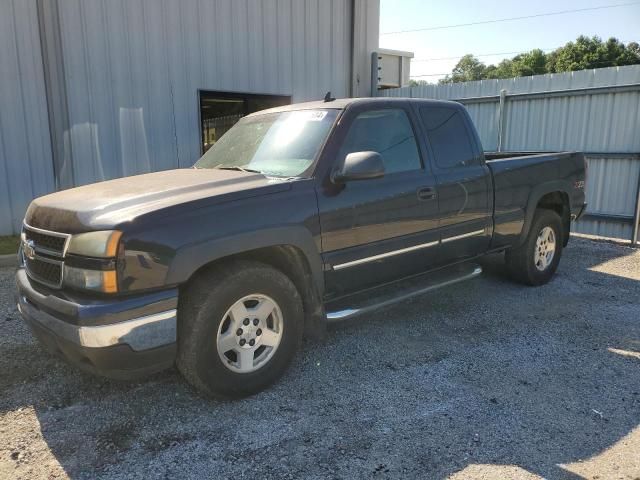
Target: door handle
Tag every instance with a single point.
(427, 193)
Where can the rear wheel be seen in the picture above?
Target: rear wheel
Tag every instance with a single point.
(239, 327)
(535, 261)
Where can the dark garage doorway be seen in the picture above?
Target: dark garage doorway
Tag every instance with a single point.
(219, 111)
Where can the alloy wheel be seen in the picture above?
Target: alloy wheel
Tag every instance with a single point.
(545, 249)
(249, 333)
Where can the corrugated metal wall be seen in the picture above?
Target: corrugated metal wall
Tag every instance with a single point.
(131, 65)
(130, 71)
(598, 121)
(26, 168)
(365, 41)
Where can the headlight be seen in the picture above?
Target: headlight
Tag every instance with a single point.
(91, 261)
(102, 244)
(104, 281)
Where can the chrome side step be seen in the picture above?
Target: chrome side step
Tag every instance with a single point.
(378, 297)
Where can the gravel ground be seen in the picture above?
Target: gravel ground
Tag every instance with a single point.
(485, 379)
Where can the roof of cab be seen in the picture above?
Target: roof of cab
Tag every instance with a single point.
(342, 103)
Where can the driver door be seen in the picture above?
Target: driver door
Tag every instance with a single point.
(378, 230)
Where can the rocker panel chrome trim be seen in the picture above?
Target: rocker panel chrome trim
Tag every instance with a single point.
(464, 235)
(392, 253)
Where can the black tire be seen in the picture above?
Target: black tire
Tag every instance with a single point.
(520, 260)
(202, 306)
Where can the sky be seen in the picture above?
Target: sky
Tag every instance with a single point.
(549, 32)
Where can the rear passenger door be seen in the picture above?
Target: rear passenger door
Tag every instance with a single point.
(463, 181)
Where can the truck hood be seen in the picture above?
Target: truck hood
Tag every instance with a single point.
(104, 205)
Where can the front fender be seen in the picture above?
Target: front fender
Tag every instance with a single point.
(191, 257)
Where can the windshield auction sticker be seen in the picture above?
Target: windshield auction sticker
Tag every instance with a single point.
(316, 115)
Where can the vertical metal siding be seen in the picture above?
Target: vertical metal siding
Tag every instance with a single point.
(598, 122)
(366, 33)
(134, 68)
(26, 167)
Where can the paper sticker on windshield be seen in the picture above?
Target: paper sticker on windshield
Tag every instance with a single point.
(317, 115)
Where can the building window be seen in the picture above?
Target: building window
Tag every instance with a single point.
(219, 111)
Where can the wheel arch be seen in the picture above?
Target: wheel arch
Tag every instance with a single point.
(291, 251)
(552, 196)
(558, 201)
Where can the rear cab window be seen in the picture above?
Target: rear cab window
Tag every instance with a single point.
(449, 137)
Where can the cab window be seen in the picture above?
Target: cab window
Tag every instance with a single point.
(388, 132)
(448, 137)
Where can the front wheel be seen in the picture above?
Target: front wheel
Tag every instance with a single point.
(535, 261)
(239, 327)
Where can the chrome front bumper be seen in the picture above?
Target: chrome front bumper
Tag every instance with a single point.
(116, 337)
(140, 333)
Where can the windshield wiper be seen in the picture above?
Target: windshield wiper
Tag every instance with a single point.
(239, 169)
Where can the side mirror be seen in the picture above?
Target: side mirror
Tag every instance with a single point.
(359, 166)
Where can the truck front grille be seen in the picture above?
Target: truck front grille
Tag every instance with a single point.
(44, 271)
(44, 241)
(43, 252)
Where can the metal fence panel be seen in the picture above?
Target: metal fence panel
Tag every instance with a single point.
(26, 169)
(612, 185)
(564, 117)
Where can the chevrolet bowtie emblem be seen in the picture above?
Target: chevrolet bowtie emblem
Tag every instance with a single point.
(29, 250)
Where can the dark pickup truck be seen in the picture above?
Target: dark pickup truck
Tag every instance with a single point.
(297, 216)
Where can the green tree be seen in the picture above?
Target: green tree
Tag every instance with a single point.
(592, 52)
(530, 63)
(467, 69)
(503, 70)
(584, 53)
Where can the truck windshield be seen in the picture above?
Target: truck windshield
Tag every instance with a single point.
(282, 144)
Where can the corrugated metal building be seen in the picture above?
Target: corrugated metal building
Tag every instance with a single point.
(96, 89)
(593, 111)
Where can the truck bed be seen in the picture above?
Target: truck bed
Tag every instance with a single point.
(520, 179)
